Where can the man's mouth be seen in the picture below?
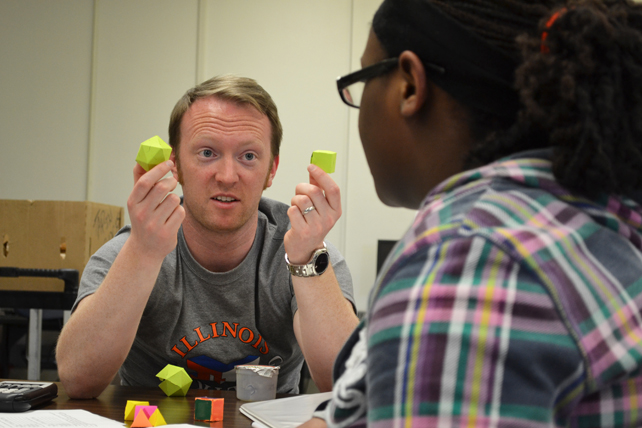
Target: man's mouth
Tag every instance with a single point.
(224, 198)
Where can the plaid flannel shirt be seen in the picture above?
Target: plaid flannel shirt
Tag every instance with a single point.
(510, 302)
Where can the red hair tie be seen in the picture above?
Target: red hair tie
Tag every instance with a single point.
(549, 24)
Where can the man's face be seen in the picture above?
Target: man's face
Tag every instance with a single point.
(224, 164)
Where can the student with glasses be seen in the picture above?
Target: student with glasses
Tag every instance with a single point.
(515, 298)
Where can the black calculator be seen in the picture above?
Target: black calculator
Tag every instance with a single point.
(20, 396)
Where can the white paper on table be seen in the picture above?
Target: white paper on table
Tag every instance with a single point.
(63, 419)
(180, 425)
(287, 412)
(56, 418)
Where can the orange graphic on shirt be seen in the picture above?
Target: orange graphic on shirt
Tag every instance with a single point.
(200, 335)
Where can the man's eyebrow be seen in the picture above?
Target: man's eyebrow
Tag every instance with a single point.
(243, 145)
(252, 142)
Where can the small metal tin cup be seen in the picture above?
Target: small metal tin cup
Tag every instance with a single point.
(256, 383)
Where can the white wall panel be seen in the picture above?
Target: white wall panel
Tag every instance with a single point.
(145, 59)
(44, 90)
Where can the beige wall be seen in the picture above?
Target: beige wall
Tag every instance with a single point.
(84, 82)
(45, 78)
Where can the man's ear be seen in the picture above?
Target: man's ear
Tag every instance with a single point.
(415, 85)
(174, 169)
(272, 173)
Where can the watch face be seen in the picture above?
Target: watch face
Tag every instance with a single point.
(321, 263)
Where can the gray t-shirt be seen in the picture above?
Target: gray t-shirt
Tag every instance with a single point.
(209, 322)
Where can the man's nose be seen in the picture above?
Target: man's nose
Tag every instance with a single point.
(227, 171)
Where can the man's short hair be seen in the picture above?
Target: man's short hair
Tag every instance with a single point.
(241, 90)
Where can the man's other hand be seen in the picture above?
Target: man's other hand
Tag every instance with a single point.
(309, 228)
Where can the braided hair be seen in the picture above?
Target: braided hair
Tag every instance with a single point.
(581, 94)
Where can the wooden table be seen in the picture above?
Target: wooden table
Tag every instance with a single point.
(111, 404)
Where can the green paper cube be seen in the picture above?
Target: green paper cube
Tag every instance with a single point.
(208, 409)
(175, 381)
(202, 410)
(324, 159)
(152, 152)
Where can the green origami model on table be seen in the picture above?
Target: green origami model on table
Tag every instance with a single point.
(152, 152)
(324, 159)
(175, 381)
(209, 409)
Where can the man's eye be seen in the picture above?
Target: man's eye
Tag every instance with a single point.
(249, 156)
(207, 153)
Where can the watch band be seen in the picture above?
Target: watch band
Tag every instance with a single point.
(319, 257)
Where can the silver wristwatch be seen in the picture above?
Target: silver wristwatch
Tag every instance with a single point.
(315, 267)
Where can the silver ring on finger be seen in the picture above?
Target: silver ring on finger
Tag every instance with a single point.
(308, 210)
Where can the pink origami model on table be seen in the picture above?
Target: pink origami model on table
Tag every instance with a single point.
(143, 415)
(130, 408)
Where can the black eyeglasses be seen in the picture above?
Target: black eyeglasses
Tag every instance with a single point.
(351, 85)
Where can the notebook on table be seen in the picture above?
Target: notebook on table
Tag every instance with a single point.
(289, 412)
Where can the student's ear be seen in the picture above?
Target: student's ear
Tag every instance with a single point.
(414, 86)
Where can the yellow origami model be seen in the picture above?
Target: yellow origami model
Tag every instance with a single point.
(130, 408)
(175, 381)
(324, 159)
(152, 152)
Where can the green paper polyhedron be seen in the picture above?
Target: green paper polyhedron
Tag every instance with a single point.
(324, 159)
(175, 381)
(202, 410)
(152, 152)
(209, 409)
